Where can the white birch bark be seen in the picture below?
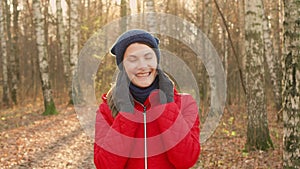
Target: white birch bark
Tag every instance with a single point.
(151, 20)
(257, 132)
(272, 62)
(291, 94)
(63, 46)
(149, 6)
(123, 13)
(42, 57)
(74, 37)
(5, 97)
(74, 30)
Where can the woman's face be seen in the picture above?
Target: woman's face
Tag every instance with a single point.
(140, 64)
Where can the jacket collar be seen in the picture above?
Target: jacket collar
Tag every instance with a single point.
(124, 101)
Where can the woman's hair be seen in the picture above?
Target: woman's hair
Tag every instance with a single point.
(110, 101)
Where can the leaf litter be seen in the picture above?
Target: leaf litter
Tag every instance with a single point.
(30, 140)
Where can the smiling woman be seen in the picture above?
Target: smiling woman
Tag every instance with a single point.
(140, 64)
(143, 121)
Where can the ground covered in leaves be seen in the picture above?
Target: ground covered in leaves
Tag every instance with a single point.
(30, 140)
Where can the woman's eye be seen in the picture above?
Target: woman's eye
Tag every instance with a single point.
(131, 59)
(149, 56)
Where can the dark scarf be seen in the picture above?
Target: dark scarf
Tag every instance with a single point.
(123, 100)
(141, 94)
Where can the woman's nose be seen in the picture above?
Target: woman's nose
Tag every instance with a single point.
(142, 63)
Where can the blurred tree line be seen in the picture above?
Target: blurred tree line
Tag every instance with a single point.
(68, 26)
(257, 41)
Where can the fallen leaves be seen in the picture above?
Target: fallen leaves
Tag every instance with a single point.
(59, 142)
(51, 142)
(225, 149)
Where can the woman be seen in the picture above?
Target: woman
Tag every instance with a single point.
(143, 121)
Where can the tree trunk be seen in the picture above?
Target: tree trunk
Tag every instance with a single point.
(272, 62)
(43, 62)
(8, 43)
(291, 94)
(5, 97)
(257, 130)
(241, 47)
(123, 13)
(63, 46)
(31, 49)
(107, 10)
(278, 45)
(14, 54)
(151, 20)
(138, 6)
(74, 40)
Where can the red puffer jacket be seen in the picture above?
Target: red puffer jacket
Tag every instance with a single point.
(172, 132)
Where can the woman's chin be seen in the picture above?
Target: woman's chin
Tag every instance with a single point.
(143, 83)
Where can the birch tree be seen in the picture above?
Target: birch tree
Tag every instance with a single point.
(272, 61)
(5, 97)
(151, 20)
(42, 57)
(74, 39)
(63, 46)
(291, 94)
(14, 54)
(8, 41)
(257, 130)
(123, 13)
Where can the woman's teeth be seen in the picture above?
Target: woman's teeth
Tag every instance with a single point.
(143, 74)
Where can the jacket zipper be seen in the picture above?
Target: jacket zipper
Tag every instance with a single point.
(145, 133)
(145, 137)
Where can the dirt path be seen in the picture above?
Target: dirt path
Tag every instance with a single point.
(53, 142)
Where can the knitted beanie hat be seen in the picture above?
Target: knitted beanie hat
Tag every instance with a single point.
(133, 36)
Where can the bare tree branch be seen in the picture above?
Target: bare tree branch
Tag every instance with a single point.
(233, 49)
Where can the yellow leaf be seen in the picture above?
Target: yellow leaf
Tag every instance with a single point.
(225, 131)
(245, 154)
(230, 120)
(97, 56)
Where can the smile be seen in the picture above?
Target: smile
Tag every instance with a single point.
(146, 74)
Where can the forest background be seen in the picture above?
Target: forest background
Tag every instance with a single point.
(257, 41)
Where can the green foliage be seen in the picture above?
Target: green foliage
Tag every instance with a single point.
(259, 139)
(50, 109)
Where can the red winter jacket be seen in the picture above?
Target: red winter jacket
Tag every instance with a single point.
(172, 132)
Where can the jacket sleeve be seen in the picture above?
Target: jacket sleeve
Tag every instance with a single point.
(186, 151)
(111, 148)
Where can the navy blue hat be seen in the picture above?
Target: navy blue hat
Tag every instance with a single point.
(133, 36)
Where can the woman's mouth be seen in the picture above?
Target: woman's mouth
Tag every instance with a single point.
(145, 74)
